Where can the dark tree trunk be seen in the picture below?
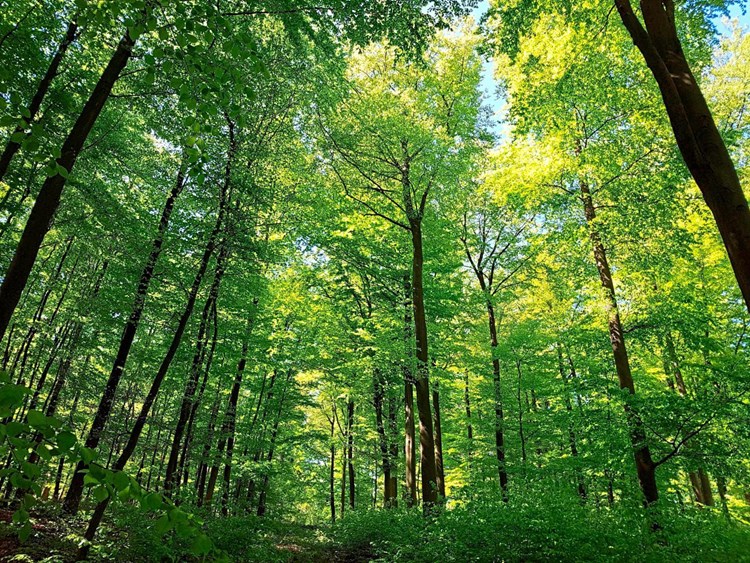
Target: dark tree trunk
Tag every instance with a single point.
(183, 465)
(645, 466)
(421, 380)
(698, 479)
(48, 200)
(332, 474)
(498, 396)
(188, 397)
(410, 456)
(389, 492)
(572, 441)
(230, 417)
(700, 143)
(438, 442)
(75, 490)
(140, 422)
(393, 449)
(521, 434)
(36, 102)
(350, 448)
(272, 446)
(200, 478)
(467, 408)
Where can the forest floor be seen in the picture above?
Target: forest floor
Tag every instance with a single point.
(52, 540)
(308, 544)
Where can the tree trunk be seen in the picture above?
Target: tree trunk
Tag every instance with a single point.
(191, 385)
(350, 449)
(410, 454)
(467, 408)
(230, 416)
(700, 143)
(645, 466)
(572, 441)
(73, 496)
(422, 384)
(272, 446)
(498, 396)
(332, 475)
(377, 402)
(438, 442)
(140, 422)
(36, 102)
(698, 479)
(393, 449)
(48, 199)
(521, 435)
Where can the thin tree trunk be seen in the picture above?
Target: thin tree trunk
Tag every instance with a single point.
(192, 383)
(421, 381)
(271, 447)
(75, 490)
(467, 408)
(378, 398)
(230, 417)
(572, 441)
(350, 449)
(521, 435)
(393, 449)
(409, 424)
(438, 442)
(140, 422)
(12, 147)
(48, 200)
(332, 475)
(698, 479)
(645, 466)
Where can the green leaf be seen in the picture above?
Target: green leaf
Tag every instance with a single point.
(120, 480)
(24, 532)
(100, 493)
(29, 501)
(87, 455)
(37, 419)
(153, 501)
(20, 516)
(12, 395)
(66, 440)
(31, 470)
(201, 545)
(162, 525)
(14, 428)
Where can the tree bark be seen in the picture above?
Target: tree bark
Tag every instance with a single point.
(409, 424)
(498, 396)
(140, 422)
(421, 381)
(572, 441)
(191, 385)
(332, 473)
(230, 417)
(272, 446)
(698, 138)
(645, 466)
(48, 200)
(438, 442)
(350, 448)
(75, 490)
(378, 401)
(12, 147)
